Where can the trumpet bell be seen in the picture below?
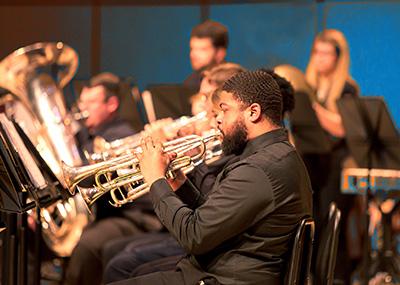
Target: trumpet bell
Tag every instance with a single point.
(89, 196)
(74, 175)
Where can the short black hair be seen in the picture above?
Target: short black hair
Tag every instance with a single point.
(110, 82)
(217, 32)
(287, 91)
(257, 87)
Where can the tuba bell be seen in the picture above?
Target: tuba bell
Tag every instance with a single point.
(35, 75)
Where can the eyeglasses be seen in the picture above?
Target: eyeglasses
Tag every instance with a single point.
(90, 102)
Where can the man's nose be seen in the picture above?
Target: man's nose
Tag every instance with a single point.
(219, 120)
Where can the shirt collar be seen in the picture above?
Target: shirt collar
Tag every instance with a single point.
(264, 140)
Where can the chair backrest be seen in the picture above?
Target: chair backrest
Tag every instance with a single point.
(298, 269)
(327, 249)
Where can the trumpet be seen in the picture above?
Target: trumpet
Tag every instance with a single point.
(190, 151)
(104, 150)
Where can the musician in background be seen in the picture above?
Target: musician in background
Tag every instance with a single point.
(328, 73)
(200, 103)
(101, 99)
(208, 45)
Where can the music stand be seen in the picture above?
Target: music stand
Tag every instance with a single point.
(17, 184)
(13, 201)
(11, 180)
(374, 142)
(171, 100)
(308, 134)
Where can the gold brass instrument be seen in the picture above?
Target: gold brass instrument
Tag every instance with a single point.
(35, 76)
(74, 175)
(190, 151)
(63, 223)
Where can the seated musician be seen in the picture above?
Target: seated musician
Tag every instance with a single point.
(240, 233)
(141, 252)
(154, 252)
(101, 99)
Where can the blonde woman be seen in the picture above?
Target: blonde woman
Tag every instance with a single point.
(328, 74)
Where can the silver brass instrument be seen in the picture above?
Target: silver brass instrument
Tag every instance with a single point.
(105, 150)
(190, 150)
(39, 107)
(35, 76)
(184, 121)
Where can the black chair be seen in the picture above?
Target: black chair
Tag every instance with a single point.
(298, 270)
(325, 262)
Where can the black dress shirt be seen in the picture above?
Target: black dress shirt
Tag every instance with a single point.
(240, 233)
(115, 128)
(203, 176)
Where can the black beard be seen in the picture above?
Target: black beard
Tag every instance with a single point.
(236, 141)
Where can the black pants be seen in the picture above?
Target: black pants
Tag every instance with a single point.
(142, 249)
(158, 278)
(163, 278)
(162, 264)
(85, 264)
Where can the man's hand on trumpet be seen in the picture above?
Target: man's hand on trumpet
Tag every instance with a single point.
(154, 163)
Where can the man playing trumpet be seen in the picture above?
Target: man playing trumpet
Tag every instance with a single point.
(240, 232)
(101, 99)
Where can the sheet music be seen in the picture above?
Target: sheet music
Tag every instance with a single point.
(30, 165)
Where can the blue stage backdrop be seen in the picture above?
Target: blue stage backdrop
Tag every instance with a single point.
(148, 43)
(151, 44)
(373, 32)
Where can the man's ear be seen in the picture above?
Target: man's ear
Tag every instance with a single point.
(112, 104)
(254, 112)
(220, 55)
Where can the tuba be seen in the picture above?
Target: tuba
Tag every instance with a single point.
(35, 76)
